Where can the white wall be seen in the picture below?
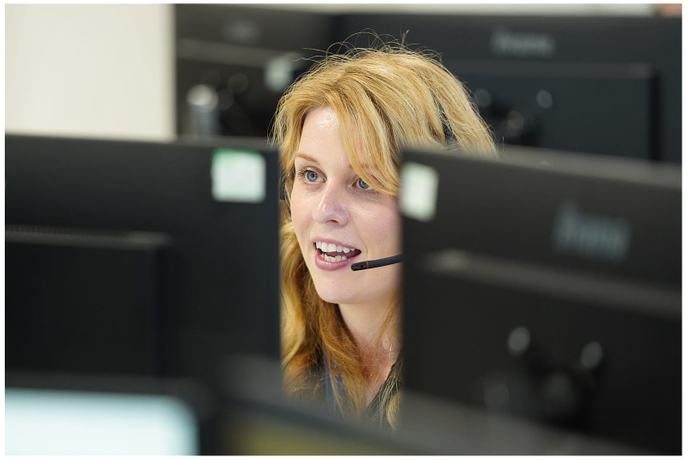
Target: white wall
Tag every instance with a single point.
(90, 70)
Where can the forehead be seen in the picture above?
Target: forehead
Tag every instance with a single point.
(321, 138)
(323, 118)
(321, 128)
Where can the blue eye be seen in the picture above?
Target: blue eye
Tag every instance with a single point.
(311, 176)
(363, 185)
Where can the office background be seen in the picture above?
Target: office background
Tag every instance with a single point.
(108, 70)
(156, 72)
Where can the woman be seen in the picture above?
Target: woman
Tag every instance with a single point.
(340, 129)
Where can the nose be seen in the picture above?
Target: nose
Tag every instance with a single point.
(331, 206)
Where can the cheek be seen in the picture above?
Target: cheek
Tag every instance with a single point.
(300, 215)
(395, 231)
(388, 225)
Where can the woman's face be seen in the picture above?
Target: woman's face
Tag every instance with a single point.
(340, 220)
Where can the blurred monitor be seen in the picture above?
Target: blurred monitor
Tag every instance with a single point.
(258, 420)
(94, 301)
(594, 84)
(439, 426)
(67, 414)
(233, 62)
(138, 257)
(547, 287)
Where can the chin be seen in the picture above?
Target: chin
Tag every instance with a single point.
(335, 297)
(339, 295)
(336, 292)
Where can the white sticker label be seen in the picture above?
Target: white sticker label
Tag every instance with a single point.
(238, 176)
(419, 191)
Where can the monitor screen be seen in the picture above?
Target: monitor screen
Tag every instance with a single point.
(581, 83)
(68, 414)
(139, 257)
(547, 286)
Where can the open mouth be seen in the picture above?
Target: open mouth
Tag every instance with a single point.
(334, 253)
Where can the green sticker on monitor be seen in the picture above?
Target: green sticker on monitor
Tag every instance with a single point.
(238, 176)
(418, 191)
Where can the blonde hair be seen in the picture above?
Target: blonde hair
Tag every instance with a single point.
(386, 97)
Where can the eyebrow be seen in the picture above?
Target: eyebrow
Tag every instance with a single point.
(307, 157)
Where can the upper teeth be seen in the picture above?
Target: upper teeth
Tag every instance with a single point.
(329, 247)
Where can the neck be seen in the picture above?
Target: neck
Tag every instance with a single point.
(378, 347)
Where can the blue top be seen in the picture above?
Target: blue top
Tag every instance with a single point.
(330, 391)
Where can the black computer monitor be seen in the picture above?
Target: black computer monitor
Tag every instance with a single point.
(145, 258)
(234, 61)
(256, 419)
(583, 83)
(547, 286)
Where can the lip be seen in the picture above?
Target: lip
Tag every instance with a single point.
(331, 266)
